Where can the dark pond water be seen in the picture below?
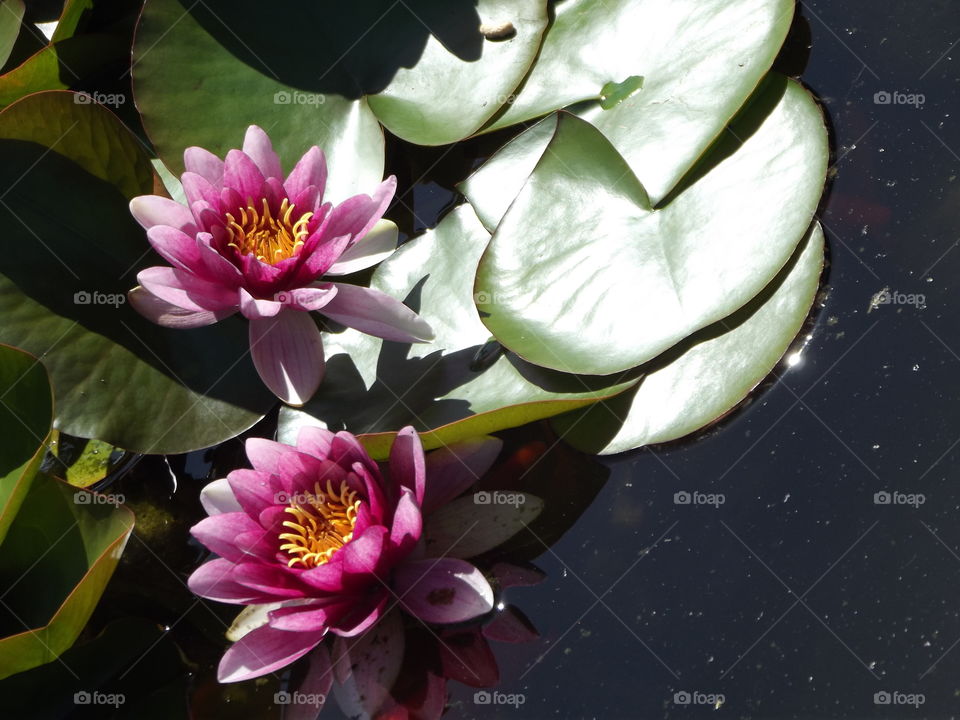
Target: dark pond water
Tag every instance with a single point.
(802, 594)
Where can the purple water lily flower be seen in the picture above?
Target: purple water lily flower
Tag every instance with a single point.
(322, 540)
(251, 241)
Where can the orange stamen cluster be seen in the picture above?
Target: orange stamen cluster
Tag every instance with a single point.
(270, 239)
(322, 523)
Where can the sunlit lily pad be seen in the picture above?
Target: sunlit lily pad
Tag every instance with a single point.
(457, 387)
(584, 276)
(70, 253)
(203, 72)
(699, 61)
(707, 374)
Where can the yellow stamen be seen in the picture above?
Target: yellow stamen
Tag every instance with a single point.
(323, 522)
(270, 239)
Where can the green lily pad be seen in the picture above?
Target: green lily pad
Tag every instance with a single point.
(699, 62)
(26, 411)
(706, 375)
(70, 253)
(58, 66)
(59, 545)
(204, 71)
(55, 562)
(11, 16)
(457, 387)
(585, 276)
(476, 55)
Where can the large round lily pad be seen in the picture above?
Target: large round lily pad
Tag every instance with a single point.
(703, 377)
(662, 77)
(585, 276)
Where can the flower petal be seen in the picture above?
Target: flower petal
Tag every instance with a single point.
(257, 145)
(198, 189)
(217, 497)
(175, 246)
(263, 651)
(314, 441)
(443, 591)
(250, 618)
(321, 250)
(407, 525)
(169, 315)
(362, 556)
(251, 491)
(308, 299)
(452, 469)
(186, 290)
(151, 210)
(346, 450)
(306, 617)
(213, 580)
(407, 462)
(376, 313)
(265, 454)
(288, 353)
(466, 657)
(257, 309)
(314, 686)
(205, 164)
(270, 580)
(375, 659)
(376, 246)
(347, 616)
(311, 170)
(220, 533)
(241, 173)
(511, 626)
(357, 215)
(213, 266)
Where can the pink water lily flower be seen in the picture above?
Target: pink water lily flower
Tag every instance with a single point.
(252, 241)
(323, 540)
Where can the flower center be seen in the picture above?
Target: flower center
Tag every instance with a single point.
(322, 523)
(270, 239)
